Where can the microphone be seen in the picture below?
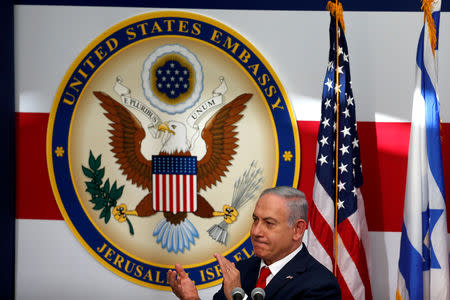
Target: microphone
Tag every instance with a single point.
(258, 294)
(237, 293)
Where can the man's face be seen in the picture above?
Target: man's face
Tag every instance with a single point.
(271, 235)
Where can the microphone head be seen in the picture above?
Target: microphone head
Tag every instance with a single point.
(237, 291)
(258, 294)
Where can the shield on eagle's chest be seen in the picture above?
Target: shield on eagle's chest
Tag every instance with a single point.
(174, 183)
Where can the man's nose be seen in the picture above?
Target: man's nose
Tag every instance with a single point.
(256, 229)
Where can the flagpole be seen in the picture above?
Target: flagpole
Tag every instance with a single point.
(336, 11)
(336, 198)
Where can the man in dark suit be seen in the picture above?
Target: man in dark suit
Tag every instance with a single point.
(282, 265)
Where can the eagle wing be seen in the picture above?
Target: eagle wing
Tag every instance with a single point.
(220, 137)
(126, 138)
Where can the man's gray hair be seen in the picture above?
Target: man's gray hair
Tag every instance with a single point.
(296, 202)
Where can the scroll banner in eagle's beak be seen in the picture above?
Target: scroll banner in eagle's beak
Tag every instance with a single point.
(206, 106)
(201, 110)
(127, 100)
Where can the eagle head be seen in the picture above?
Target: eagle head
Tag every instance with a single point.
(174, 138)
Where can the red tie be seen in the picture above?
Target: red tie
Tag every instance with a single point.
(261, 283)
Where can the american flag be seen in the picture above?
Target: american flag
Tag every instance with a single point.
(348, 247)
(174, 183)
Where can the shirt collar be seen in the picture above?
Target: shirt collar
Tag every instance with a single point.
(279, 264)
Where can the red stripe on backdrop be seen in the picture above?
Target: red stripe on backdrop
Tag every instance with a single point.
(34, 196)
(384, 155)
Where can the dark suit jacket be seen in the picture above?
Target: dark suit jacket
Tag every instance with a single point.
(303, 277)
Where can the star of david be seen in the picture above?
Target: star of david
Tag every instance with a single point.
(429, 220)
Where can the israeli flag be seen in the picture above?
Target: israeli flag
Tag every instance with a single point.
(424, 256)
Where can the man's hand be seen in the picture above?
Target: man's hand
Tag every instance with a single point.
(181, 285)
(231, 275)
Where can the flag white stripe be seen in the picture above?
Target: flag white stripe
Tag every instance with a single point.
(183, 193)
(349, 271)
(326, 205)
(167, 192)
(174, 193)
(359, 224)
(319, 252)
(194, 184)
(416, 182)
(161, 193)
(154, 189)
(188, 194)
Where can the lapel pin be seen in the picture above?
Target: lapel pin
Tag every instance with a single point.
(289, 277)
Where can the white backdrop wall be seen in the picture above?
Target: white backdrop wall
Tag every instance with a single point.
(52, 264)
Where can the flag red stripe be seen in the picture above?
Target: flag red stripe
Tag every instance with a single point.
(191, 191)
(185, 193)
(157, 195)
(180, 197)
(345, 291)
(171, 196)
(164, 193)
(321, 230)
(383, 154)
(356, 251)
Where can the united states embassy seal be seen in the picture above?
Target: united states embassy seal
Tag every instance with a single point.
(162, 134)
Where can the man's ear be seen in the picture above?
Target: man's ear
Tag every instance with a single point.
(299, 229)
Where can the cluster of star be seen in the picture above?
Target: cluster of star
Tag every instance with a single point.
(348, 164)
(174, 164)
(172, 79)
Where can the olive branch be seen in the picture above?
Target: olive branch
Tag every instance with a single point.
(103, 197)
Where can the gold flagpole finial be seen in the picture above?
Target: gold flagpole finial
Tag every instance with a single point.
(427, 6)
(337, 11)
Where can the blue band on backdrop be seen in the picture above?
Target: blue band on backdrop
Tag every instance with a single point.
(349, 5)
(7, 152)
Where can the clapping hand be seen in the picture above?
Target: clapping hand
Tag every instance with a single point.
(182, 286)
(231, 275)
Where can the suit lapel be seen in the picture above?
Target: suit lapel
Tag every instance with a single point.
(290, 271)
(250, 275)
